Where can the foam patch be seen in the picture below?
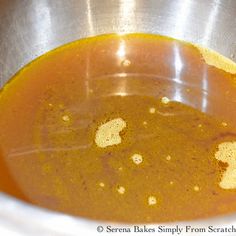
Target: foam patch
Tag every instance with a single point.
(227, 154)
(108, 134)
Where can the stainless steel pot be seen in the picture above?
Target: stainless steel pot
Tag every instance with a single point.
(29, 28)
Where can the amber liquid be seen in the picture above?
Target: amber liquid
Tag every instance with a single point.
(51, 109)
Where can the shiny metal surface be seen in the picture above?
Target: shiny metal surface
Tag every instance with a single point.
(29, 28)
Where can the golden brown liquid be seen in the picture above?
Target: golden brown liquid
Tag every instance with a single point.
(51, 110)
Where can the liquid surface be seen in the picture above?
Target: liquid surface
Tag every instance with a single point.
(122, 128)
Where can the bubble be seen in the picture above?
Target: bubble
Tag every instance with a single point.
(152, 200)
(120, 189)
(196, 188)
(66, 118)
(137, 158)
(165, 100)
(152, 110)
(126, 62)
(224, 124)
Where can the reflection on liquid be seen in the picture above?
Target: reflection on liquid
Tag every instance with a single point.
(178, 66)
(121, 53)
(22, 152)
(204, 91)
(178, 63)
(87, 85)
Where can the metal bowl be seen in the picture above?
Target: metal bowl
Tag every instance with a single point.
(30, 28)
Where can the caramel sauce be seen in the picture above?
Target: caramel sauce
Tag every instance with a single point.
(174, 108)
